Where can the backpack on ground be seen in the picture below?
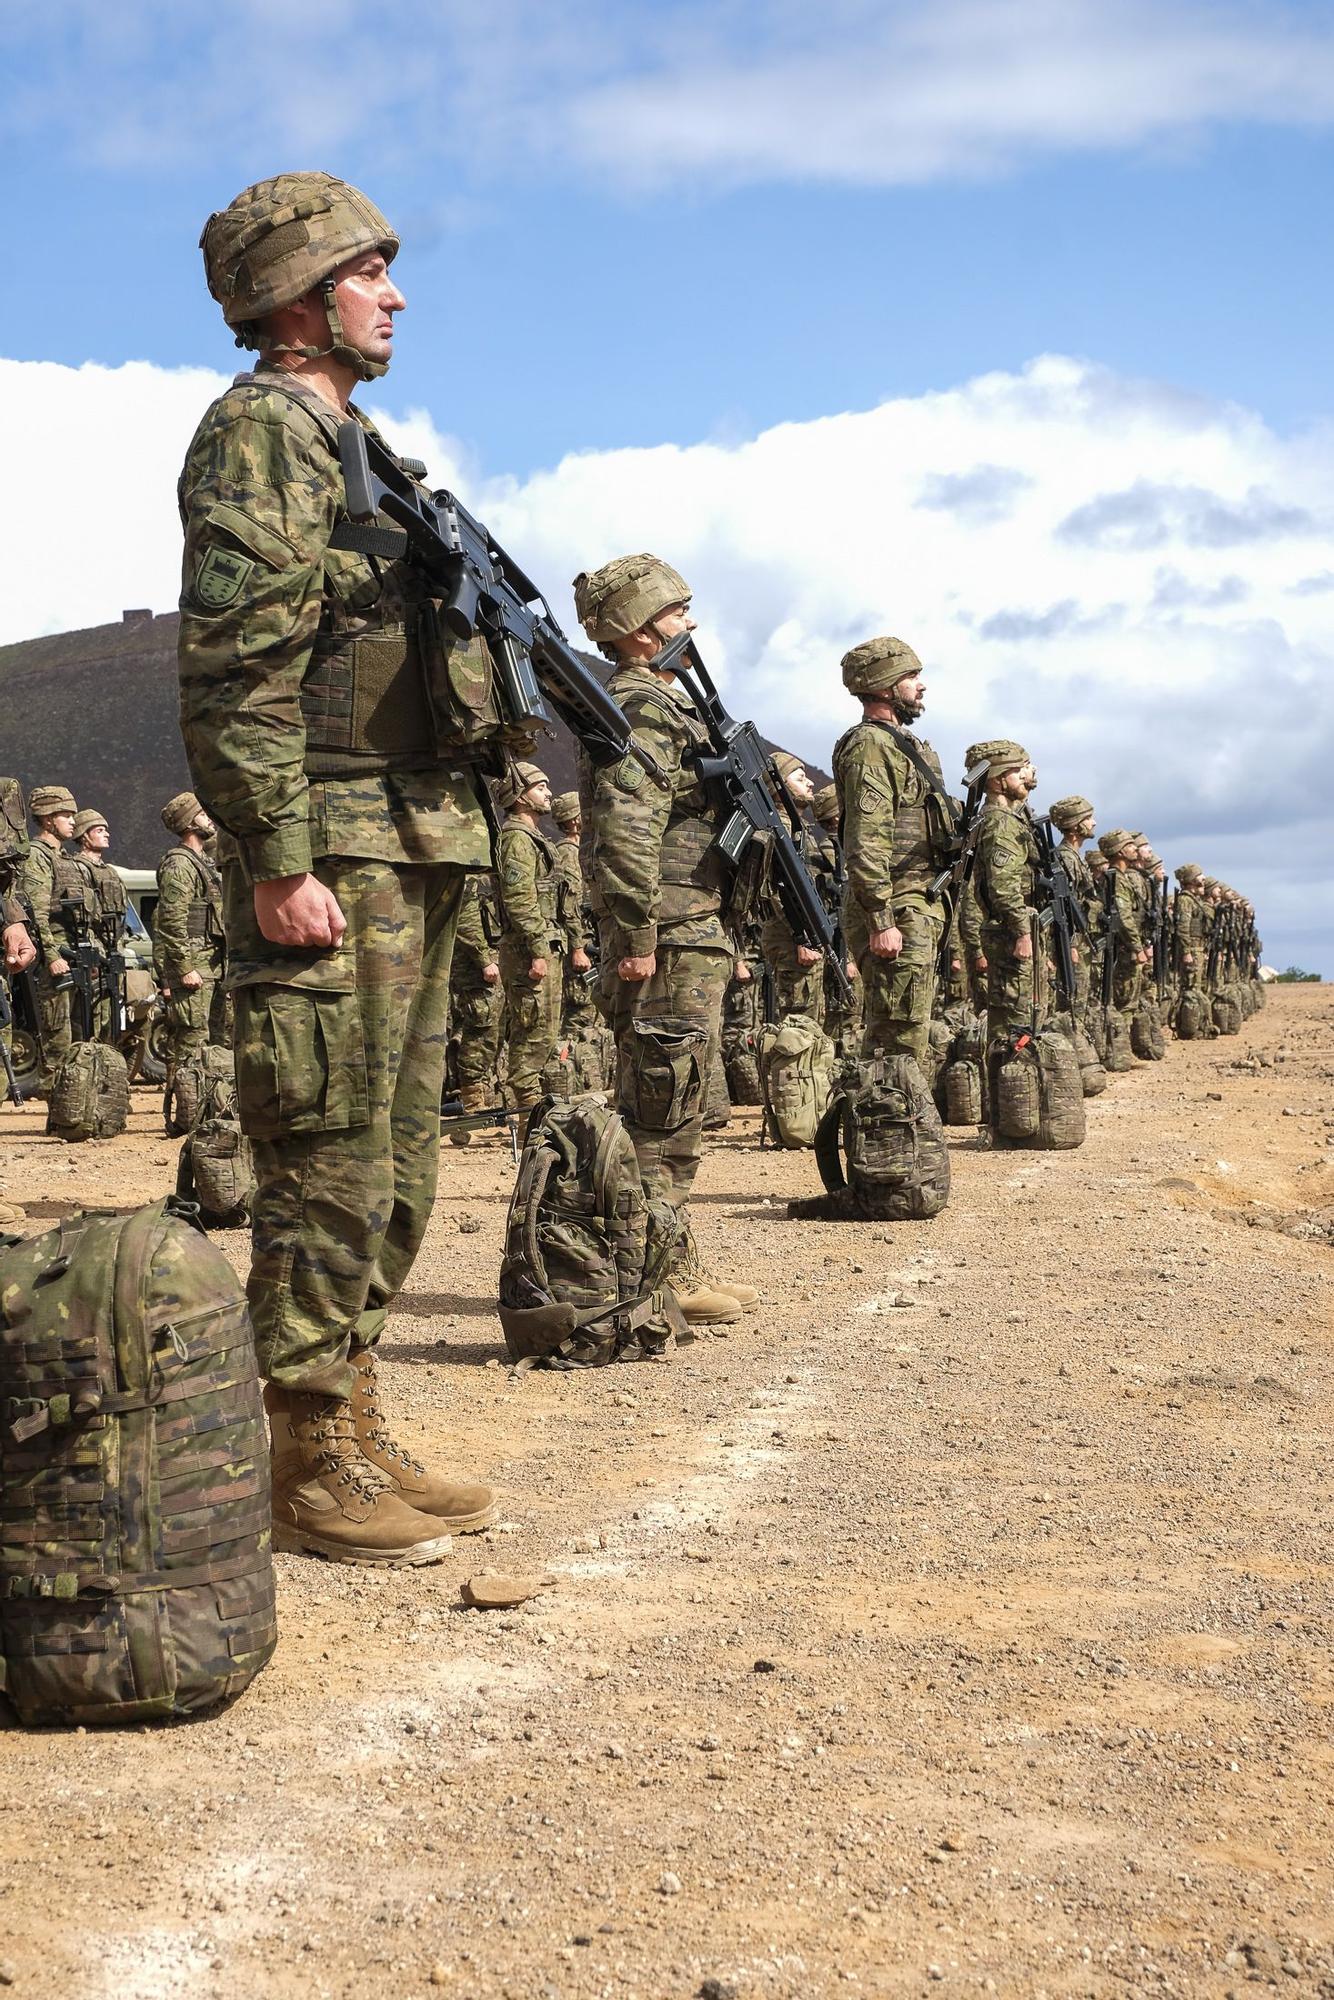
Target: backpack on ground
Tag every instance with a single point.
(1146, 1033)
(583, 1059)
(135, 1571)
(1194, 1020)
(1227, 1014)
(960, 1093)
(184, 1097)
(216, 1169)
(717, 1098)
(939, 1043)
(797, 1063)
(1119, 1055)
(880, 1147)
(582, 1279)
(741, 1066)
(90, 1098)
(1037, 1096)
(1092, 1075)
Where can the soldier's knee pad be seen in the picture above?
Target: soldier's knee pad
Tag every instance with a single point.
(662, 1083)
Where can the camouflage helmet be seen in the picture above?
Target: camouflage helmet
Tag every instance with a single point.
(785, 763)
(617, 599)
(87, 819)
(993, 759)
(1118, 841)
(279, 239)
(520, 778)
(565, 808)
(44, 800)
(1096, 860)
(1189, 871)
(179, 814)
(877, 664)
(825, 805)
(1070, 812)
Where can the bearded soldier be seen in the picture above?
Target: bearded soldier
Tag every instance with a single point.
(798, 969)
(57, 892)
(892, 797)
(535, 929)
(657, 881)
(110, 900)
(321, 705)
(189, 953)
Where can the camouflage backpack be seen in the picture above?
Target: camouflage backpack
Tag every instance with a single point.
(959, 1090)
(583, 1059)
(582, 1276)
(741, 1066)
(90, 1098)
(1146, 1033)
(797, 1062)
(135, 1572)
(1037, 1094)
(880, 1148)
(1194, 1019)
(1092, 1075)
(181, 1105)
(216, 1169)
(1227, 1013)
(1114, 1044)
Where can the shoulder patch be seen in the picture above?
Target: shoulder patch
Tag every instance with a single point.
(629, 774)
(220, 577)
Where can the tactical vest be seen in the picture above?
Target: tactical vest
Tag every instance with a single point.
(203, 919)
(69, 884)
(916, 856)
(109, 891)
(548, 880)
(385, 689)
(690, 869)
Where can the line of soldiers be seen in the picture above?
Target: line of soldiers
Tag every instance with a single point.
(66, 923)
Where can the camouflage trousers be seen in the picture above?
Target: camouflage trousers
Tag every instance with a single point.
(1009, 987)
(195, 1019)
(477, 1019)
(667, 1032)
(900, 991)
(534, 1023)
(844, 1020)
(55, 1027)
(1127, 984)
(340, 1059)
(799, 989)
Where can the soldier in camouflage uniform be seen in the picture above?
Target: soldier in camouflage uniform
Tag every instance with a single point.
(534, 900)
(1075, 820)
(657, 882)
(189, 954)
(110, 901)
(330, 725)
(19, 950)
(1190, 940)
(57, 892)
(798, 969)
(477, 995)
(1130, 953)
(577, 1000)
(1004, 882)
(891, 792)
(843, 1019)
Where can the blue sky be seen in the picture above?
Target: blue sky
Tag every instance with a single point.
(769, 287)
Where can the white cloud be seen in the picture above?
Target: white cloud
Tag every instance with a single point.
(874, 92)
(1179, 672)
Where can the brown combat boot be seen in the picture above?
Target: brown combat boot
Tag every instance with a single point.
(329, 1499)
(702, 1305)
(746, 1296)
(463, 1510)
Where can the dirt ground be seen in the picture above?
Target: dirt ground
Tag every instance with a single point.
(958, 1623)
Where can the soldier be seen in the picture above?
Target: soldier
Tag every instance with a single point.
(577, 1001)
(19, 950)
(189, 955)
(798, 969)
(57, 892)
(892, 797)
(1130, 953)
(1074, 818)
(657, 881)
(533, 940)
(843, 1019)
(318, 693)
(477, 996)
(110, 900)
(1190, 941)
(1004, 884)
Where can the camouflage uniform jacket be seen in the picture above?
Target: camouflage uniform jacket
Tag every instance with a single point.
(1081, 883)
(187, 924)
(654, 863)
(886, 831)
(1004, 869)
(530, 891)
(1190, 930)
(570, 870)
(270, 612)
(50, 877)
(1127, 896)
(479, 925)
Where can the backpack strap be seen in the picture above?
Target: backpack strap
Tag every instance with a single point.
(830, 1142)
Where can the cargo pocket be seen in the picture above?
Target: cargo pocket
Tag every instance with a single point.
(664, 1081)
(301, 1055)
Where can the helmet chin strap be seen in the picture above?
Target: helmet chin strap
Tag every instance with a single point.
(350, 357)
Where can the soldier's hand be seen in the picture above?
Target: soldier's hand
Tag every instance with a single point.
(20, 951)
(806, 956)
(633, 969)
(192, 981)
(886, 944)
(298, 910)
(741, 972)
(979, 961)
(1142, 957)
(580, 960)
(57, 967)
(490, 974)
(537, 970)
(1074, 954)
(852, 969)
(1023, 947)
(1190, 958)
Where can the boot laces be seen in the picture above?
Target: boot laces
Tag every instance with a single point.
(377, 1428)
(334, 1438)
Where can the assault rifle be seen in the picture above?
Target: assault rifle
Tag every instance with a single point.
(84, 961)
(1112, 929)
(1060, 912)
(13, 1092)
(482, 590)
(741, 778)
